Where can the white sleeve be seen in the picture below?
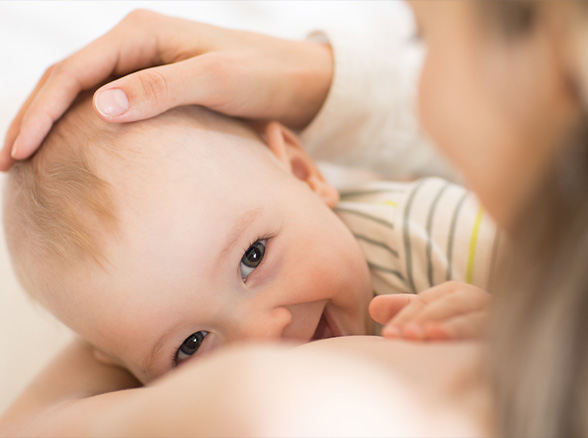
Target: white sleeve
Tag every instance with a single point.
(369, 117)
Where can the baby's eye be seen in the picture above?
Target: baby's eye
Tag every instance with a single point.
(252, 258)
(190, 345)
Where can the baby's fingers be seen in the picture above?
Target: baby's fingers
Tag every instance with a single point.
(461, 327)
(451, 305)
(417, 304)
(410, 312)
(384, 307)
(403, 324)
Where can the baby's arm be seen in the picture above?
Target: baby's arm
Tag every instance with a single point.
(451, 310)
(72, 376)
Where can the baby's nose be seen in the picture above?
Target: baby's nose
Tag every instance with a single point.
(268, 325)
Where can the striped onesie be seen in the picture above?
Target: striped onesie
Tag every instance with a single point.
(419, 234)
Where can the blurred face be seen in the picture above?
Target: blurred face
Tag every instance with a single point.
(495, 106)
(221, 243)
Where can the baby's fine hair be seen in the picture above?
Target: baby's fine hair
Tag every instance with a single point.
(61, 205)
(57, 206)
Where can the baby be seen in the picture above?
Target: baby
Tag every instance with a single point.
(169, 238)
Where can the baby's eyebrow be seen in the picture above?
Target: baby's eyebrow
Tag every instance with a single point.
(233, 237)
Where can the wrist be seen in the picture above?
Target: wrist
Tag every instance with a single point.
(310, 81)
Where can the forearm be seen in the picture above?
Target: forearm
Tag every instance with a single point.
(74, 374)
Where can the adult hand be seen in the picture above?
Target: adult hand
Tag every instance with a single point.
(175, 62)
(451, 310)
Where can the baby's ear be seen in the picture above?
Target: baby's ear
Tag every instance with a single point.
(287, 148)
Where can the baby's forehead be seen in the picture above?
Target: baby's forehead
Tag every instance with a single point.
(183, 132)
(186, 154)
(183, 139)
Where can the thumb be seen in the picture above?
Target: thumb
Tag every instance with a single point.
(384, 307)
(150, 92)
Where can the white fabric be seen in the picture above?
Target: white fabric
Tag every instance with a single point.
(419, 234)
(369, 118)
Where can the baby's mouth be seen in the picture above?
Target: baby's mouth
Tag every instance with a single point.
(326, 328)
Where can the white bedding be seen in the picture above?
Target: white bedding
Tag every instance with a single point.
(35, 34)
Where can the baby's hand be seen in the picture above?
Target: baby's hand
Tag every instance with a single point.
(451, 310)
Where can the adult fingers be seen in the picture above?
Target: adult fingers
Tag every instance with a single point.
(384, 307)
(6, 160)
(40, 115)
(125, 48)
(151, 91)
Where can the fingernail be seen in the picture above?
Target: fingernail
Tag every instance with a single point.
(391, 331)
(414, 331)
(15, 146)
(112, 103)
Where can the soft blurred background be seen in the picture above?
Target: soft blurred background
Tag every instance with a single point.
(35, 34)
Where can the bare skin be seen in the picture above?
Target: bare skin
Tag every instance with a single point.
(503, 128)
(395, 390)
(231, 70)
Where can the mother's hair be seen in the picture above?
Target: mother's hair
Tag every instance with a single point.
(539, 353)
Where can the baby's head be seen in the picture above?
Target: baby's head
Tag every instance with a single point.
(172, 237)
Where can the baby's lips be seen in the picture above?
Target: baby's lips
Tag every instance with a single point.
(322, 329)
(326, 327)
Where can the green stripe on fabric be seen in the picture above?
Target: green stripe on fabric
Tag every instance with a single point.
(469, 277)
(492, 270)
(353, 194)
(429, 232)
(452, 235)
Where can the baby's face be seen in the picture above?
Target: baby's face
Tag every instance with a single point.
(220, 243)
